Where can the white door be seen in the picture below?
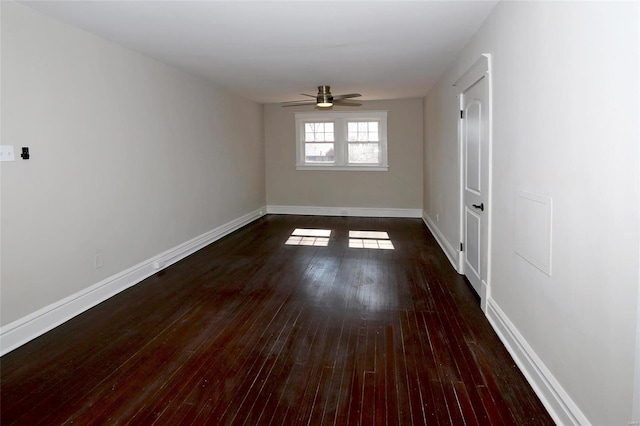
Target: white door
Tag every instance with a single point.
(475, 147)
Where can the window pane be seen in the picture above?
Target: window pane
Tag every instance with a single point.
(319, 153)
(362, 131)
(364, 153)
(318, 132)
(328, 132)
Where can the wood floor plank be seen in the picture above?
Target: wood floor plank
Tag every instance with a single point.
(253, 331)
(425, 369)
(337, 413)
(391, 376)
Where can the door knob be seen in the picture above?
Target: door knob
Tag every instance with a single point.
(481, 206)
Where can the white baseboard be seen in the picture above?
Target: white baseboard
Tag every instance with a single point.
(23, 330)
(484, 296)
(452, 254)
(635, 416)
(345, 211)
(556, 400)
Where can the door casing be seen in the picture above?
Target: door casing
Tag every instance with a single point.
(481, 68)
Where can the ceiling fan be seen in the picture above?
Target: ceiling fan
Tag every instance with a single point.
(324, 99)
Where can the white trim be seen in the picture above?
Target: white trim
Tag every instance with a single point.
(474, 73)
(479, 69)
(452, 254)
(486, 284)
(344, 168)
(635, 411)
(553, 396)
(484, 296)
(345, 211)
(635, 415)
(23, 330)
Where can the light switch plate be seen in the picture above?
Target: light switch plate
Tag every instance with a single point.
(6, 153)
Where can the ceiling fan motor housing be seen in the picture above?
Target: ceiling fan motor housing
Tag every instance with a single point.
(324, 95)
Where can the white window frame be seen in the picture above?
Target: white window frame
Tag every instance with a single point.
(341, 145)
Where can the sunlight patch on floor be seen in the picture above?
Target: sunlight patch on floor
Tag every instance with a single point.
(370, 240)
(312, 232)
(307, 241)
(377, 240)
(378, 235)
(309, 237)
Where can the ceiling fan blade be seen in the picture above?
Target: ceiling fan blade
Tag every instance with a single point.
(324, 97)
(347, 103)
(296, 103)
(348, 95)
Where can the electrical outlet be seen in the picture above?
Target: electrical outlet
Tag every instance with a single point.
(98, 261)
(6, 153)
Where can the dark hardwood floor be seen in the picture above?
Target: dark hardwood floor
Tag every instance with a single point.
(254, 331)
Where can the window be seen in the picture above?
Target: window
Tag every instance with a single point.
(319, 143)
(342, 141)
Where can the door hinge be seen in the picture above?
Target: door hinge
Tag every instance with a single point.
(461, 247)
(461, 114)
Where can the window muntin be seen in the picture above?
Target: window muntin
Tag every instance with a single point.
(342, 140)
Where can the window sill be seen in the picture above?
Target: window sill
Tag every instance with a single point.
(344, 168)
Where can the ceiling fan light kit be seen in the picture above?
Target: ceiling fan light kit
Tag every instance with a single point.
(324, 99)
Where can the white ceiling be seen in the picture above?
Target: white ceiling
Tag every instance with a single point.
(270, 51)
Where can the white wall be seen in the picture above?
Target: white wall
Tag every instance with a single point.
(565, 99)
(398, 188)
(129, 157)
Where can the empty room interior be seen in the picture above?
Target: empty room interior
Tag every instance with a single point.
(338, 212)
